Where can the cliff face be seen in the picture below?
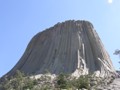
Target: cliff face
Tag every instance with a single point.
(71, 47)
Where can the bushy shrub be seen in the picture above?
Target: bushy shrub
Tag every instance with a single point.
(82, 82)
(28, 84)
(63, 82)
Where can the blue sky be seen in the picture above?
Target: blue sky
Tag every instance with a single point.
(20, 20)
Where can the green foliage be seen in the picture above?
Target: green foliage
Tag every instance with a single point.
(46, 87)
(117, 52)
(28, 84)
(19, 75)
(18, 82)
(5, 85)
(82, 82)
(63, 82)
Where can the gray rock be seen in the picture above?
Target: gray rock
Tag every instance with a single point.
(93, 83)
(71, 47)
(115, 85)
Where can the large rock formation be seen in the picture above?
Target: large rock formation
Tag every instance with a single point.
(71, 47)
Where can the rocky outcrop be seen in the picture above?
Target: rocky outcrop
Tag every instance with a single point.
(71, 47)
(115, 85)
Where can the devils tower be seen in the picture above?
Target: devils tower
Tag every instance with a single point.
(71, 47)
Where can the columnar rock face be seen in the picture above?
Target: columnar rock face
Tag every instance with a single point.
(71, 47)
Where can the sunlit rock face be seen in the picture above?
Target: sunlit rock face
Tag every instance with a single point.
(71, 47)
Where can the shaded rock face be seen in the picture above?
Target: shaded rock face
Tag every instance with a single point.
(71, 47)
